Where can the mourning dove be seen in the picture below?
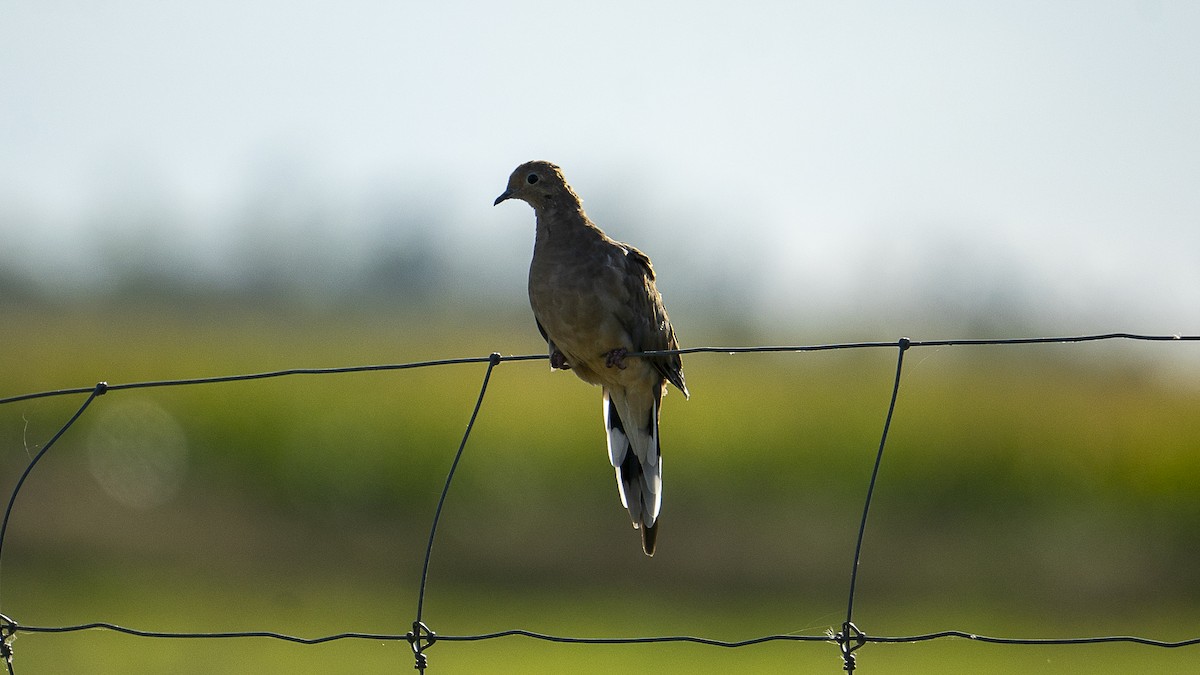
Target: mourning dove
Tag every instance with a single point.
(594, 300)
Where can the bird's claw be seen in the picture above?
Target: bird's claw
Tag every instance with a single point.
(558, 361)
(616, 358)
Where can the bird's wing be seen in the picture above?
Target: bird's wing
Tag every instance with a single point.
(646, 319)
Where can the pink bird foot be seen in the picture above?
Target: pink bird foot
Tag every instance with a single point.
(616, 358)
(558, 361)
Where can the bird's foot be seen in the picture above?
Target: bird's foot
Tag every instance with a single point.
(558, 361)
(616, 358)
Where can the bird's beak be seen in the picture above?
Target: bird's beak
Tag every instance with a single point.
(503, 195)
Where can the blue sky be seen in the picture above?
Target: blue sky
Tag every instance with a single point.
(825, 155)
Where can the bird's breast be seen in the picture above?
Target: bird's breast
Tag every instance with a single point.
(578, 301)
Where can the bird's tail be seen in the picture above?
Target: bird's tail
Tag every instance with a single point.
(634, 452)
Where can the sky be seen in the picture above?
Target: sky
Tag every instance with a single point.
(921, 161)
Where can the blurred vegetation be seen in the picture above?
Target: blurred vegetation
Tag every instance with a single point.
(1020, 484)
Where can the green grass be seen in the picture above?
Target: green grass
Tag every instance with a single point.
(1025, 491)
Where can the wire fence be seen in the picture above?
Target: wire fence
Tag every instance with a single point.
(848, 639)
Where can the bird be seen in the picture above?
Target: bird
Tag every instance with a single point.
(595, 301)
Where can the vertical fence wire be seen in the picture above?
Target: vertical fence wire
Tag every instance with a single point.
(851, 638)
(421, 636)
(99, 390)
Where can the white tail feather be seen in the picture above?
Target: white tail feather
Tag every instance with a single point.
(634, 454)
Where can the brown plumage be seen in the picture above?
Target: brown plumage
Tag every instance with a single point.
(594, 300)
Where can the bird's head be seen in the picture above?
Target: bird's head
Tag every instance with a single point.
(539, 184)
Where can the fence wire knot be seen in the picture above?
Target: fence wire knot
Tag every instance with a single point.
(8, 630)
(850, 633)
(420, 638)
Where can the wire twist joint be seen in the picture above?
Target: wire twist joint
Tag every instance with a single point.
(420, 638)
(850, 639)
(8, 630)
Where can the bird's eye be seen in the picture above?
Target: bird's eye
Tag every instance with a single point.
(531, 178)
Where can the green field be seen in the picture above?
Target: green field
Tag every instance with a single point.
(1025, 491)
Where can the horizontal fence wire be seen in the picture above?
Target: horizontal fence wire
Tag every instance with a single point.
(848, 640)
